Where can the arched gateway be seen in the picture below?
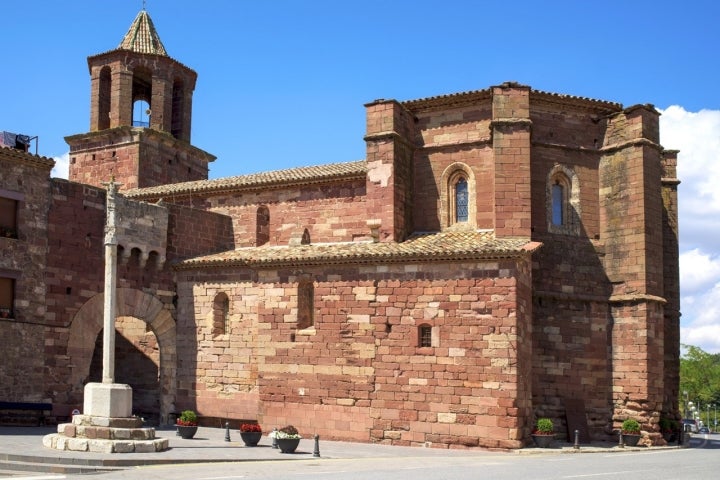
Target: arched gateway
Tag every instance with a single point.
(88, 322)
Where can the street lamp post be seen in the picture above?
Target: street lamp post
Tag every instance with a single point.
(686, 403)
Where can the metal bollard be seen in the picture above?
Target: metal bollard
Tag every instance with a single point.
(316, 452)
(227, 431)
(621, 443)
(576, 445)
(274, 443)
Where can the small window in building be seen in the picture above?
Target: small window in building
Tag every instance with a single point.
(306, 294)
(7, 297)
(8, 217)
(558, 204)
(563, 201)
(262, 226)
(461, 200)
(425, 336)
(221, 314)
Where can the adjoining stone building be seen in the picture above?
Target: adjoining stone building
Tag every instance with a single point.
(498, 254)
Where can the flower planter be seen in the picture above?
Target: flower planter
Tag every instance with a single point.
(631, 439)
(251, 439)
(543, 441)
(287, 445)
(186, 432)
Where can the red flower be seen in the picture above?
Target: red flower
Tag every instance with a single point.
(250, 427)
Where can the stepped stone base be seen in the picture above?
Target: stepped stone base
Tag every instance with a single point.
(88, 433)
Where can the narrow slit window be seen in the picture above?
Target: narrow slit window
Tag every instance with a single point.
(425, 336)
(558, 204)
(461, 200)
(306, 294)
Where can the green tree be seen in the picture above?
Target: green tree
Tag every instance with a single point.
(699, 380)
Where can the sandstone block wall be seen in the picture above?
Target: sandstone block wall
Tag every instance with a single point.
(24, 179)
(359, 373)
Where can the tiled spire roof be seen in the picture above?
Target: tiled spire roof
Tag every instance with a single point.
(142, 37)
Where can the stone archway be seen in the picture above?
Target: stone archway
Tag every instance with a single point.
(88, 322)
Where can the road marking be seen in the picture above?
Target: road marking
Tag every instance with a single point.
(220, 478)
(601, 474)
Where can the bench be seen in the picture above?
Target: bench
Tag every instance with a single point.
(18, 413)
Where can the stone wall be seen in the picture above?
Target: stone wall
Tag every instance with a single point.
(359, 373)
(24, 179)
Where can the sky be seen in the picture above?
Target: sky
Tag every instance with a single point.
(283, 83)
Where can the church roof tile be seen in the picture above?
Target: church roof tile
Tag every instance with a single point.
(457, 245)
(264, 180)
(142, 37)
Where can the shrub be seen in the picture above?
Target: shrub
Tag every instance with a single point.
(631, 426)
(544, 426)
(188, 418)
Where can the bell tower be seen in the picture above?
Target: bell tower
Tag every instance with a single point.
(140, 116)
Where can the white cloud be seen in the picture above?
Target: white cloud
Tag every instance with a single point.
(698, 271)
(697, 136)
(62, 165)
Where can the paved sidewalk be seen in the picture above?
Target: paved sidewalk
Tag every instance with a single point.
(21, 448)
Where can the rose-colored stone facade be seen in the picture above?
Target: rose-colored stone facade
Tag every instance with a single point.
(497, 253)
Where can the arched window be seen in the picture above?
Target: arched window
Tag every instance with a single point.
(306, 301)
(141, 114)
(457, 200)
(461, 200)
(221, 314)
(141, 97)
(563, 201)
(558, 204)
(262, 226)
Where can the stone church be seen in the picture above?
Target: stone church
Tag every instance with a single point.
(499, 255)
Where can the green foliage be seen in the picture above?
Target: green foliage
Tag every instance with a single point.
(544, 426)
(668, 425)
(630, 426)
(700, 378)
(188, 417)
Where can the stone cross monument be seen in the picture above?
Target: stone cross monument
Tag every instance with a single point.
(106, 424)
(109, 399)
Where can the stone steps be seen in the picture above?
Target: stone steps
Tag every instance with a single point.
(12, 464)
(89, 433)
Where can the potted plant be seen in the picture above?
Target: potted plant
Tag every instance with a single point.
(668, 429)
(251, 433)
(287, 439)
(543, 434)
(630, 432)
(187, 424)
